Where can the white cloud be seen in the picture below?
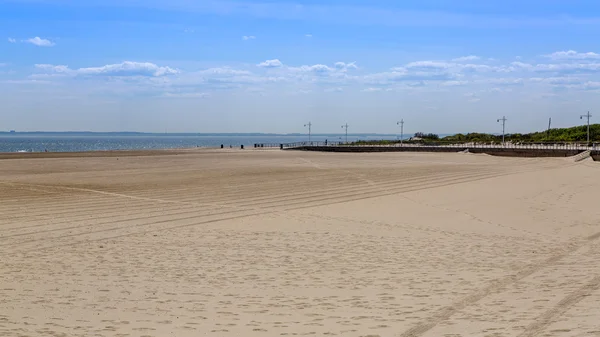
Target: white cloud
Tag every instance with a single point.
(590, 85)
(332, 75)
(11, 40)
(572, 55)
(429, 65)
(567, 67)
(272, 75)
(472, 97)
(345, 66)
(585, 67)
(25, 82)
(403, 74)
(413, 75)
(126, 68)
(224, 71)
(420, 74)
(376, 89)
(316, 68)
(521, 65)
(416, 84)
(454, 83)
(450, 66)
(466, 58)
(53, 68)
(338, 70)
(478, 68)
(515, 67)
(221, 78)
(568, 82)
(275, 63)
(186, 95)
(40, 42)
(498, 90)
(557, 80)
(502, 81)
(451, 72)
(248, 37)
(308, 35)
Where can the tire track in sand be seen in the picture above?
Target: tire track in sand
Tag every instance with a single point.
(145, 228)
(500, 285)
(287, 205)
(547, 318)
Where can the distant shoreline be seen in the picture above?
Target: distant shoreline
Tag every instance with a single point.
(78, 142)
(86, 133)
(106, 153)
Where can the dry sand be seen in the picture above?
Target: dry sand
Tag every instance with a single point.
(280, 243)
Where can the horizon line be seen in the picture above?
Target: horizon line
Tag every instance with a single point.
(192, 133)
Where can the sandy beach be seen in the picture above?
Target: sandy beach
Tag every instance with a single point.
(284, 243)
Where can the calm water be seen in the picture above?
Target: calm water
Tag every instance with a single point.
(32, 143)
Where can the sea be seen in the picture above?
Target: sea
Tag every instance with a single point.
(66, 142)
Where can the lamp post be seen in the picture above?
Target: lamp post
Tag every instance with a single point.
(309, 127)
(503, 119)
(401, 123)
(588, 116)
(345, 126)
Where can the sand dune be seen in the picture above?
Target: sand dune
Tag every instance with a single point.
(278, 243)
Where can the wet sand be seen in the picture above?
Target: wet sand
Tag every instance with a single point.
(282, 243)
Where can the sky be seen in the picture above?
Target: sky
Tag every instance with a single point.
(443, 66)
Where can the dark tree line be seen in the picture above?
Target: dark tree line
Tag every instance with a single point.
(427, 136)
(573, 134)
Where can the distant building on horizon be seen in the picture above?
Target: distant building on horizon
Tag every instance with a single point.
(13, 131)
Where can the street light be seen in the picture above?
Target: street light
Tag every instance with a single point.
(345, 126)
(401, 123)
(588, 125)
(309, 127)
(503, 119)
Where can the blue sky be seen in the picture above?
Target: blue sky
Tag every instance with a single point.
(272, 66)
